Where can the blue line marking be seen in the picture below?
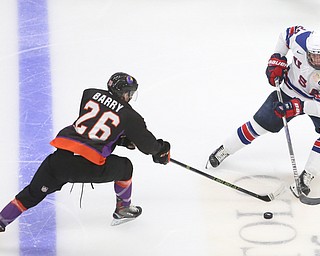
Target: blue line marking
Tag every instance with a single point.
(38, 224)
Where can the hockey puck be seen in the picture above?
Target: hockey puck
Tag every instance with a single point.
(268, 215)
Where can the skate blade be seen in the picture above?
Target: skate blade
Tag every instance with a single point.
(208, 165)
(116, 222)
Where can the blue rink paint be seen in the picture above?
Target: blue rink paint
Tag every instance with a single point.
(37, 226)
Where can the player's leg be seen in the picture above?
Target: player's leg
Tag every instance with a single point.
(116, 169)
(120, 170)
(312, 166)
(263, 121)
(243, 136)
(42, 184)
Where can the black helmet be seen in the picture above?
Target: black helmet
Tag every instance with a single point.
(121, 83)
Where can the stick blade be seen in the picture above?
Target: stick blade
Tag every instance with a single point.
(275, 194)
(309, 200)
(267, 198)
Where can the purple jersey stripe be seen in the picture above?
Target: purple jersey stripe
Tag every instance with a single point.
(38, 227)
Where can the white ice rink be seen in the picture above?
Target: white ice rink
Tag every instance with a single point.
(200, 67)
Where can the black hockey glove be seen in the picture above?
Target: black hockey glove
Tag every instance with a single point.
(163, 156)
(125, 142)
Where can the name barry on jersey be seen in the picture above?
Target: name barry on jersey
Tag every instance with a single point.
(107, 101)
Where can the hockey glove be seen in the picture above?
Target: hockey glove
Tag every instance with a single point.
(163, 156)
(288, 109)
(125, 142)
(277, 66)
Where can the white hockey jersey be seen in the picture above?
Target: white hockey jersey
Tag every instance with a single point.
(302, 80)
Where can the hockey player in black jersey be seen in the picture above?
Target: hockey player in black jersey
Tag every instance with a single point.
(84, 151)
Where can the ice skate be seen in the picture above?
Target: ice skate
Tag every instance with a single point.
(305, 180)
(124, 214)
(217, 157)
(2, 227)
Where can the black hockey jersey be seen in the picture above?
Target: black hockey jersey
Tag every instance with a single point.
(103, 118)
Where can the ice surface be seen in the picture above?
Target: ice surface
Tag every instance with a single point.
(200, 67)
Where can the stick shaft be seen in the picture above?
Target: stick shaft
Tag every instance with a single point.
(265, 198)
(288, 137)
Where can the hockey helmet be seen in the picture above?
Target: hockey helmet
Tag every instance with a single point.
(121, 83)
(313, 47)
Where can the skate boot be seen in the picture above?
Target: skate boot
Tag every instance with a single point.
(2, 227)
(217, 157)
(305, 179)
(124, 214)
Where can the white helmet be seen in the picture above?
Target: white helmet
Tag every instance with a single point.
(313, 47)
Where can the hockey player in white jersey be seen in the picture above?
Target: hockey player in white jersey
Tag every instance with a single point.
(301, 95)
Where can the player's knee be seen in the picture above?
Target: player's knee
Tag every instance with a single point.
(269, 122)
(127, 169)
(29, 198)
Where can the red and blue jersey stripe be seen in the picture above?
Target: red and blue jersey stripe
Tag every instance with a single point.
(292, 31)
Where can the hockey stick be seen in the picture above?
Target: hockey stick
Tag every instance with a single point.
(286, 129)
(266, 198)
(302, 197)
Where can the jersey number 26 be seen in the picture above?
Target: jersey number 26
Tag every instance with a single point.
(99, 131)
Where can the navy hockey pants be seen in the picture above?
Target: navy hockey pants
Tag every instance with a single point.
(266, 117)
(63, 166)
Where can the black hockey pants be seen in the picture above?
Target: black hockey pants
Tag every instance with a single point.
(63, 166)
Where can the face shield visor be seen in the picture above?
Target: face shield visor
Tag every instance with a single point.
(133, 95)
(314, 60)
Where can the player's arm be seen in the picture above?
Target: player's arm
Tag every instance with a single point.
(291, 108)
(312, 108)
(296, 107)
(281, 46)
(277, 64)
(124, 141)
(145, 141)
